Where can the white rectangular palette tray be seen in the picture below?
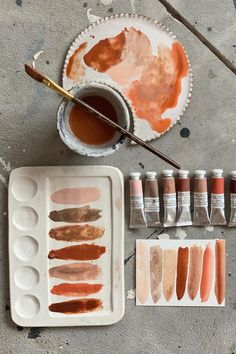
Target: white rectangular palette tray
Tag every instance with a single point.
(39, 273)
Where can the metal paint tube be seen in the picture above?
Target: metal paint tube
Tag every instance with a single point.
(137, 217)
(217, 216)
(232, 219)
(169, 198)
(151, 200)
(183, 198)
(200, 214)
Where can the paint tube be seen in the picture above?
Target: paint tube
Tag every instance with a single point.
(183, 198)
(200, 214)
(151, 200)
(169, 198)
(232, 219)
(137, 217)
(217, 216)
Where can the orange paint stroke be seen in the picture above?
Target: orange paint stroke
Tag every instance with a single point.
(207, 273)
(75, 69)
(78, 289)
(83, 252)
(76, 306)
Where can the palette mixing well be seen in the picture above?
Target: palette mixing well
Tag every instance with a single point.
(66, 246)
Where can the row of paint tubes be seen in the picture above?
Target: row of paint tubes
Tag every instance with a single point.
(145, 209)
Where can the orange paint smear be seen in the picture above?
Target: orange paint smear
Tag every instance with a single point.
(76, 306)
(75, 69)
(83, 252)
(79, 289)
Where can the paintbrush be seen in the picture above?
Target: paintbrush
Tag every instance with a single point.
(36, 75)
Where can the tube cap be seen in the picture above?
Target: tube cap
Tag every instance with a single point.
(217, 172)
(135, 175)
(200, 173)
(183, 173)
(233, 173)
(151, 174)
(168, 173)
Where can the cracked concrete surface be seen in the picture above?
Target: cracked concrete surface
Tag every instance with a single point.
(28, 137)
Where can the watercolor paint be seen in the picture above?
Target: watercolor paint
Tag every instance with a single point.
(217, 215)
(72, 215)
(180, 272)
(200, 213)
(137, 216)
(151, 200)
(232, 219)
(169, 198)
(75, 233)
(183, 199)
(75, 215)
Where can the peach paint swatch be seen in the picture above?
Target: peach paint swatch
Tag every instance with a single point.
(76, 306)
(152, 82)
(78, 289)
(75, 69)
(169, 273)
(75, 233)
(195, 270)
(182, 271)
(70, 215)
(207, 273)
(81, 195)
(142, 271)
(83, 252)
(76, 271)
(220, 270)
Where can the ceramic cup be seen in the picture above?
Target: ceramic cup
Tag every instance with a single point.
(120, 106)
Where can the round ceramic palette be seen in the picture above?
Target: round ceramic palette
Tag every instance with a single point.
(143, 60)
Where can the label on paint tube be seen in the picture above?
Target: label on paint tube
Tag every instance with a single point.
(151, 204)
(136, 201)
(169, 200)
(233, 200)
(200, 199)
(217, 200)
(184, 199)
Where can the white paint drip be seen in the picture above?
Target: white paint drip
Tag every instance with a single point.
(163, 237)
(180, 233)
(209, 228)
(92, 18)
(132, 3)
(106, 2)
(6, 165)
(35, 57)
(131, 294)
(3, 180)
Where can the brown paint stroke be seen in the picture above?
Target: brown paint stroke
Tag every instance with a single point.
(142, 271)
(83, 214)
(220, 270)
(76, 271)
(79, 289)
(169, 272)
(81, 195)
(182, 271)
(156, 254)
(76, 306)
(83, 252)
(75, 69)
(76, 233)
(207, 273)
(106, 53)
(195, 270)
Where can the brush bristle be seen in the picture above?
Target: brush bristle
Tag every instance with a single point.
(34, 73)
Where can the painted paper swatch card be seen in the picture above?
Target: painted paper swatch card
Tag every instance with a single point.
(180, 272)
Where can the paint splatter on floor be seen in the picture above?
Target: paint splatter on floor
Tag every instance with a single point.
(106, 2)
(19, 3)
(209, 228)
(6, 165)
(131, 293)
(164, 236)
(34, 333)
(3, 180)
(180, 233)
(132, 3)
(141, 165)
(92, 18)
(184, 133)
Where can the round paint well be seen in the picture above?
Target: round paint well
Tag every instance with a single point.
(25, 248)
(27, 306)
(24, 188)
(25, 218)
(26, 277)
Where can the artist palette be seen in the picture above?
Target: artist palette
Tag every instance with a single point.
(141, 59)
(66, 246)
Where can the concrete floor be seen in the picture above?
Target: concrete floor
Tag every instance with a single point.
(28, 137)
